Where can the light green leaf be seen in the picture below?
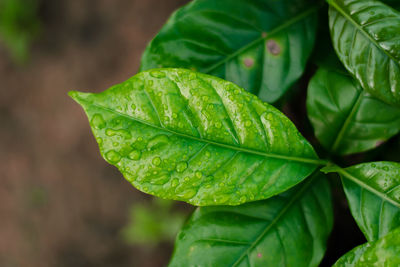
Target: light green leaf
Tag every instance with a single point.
(365, 35)
(290, 229)
(182, 135)
(373, 192)
(346, 119)
(383, 252)
(262, 46)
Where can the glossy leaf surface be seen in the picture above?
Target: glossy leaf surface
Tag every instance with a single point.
(365, 35)
(182, 135)
(373, 192)
(346, 119)
(290, 229)
(383, 252)
(262, 46)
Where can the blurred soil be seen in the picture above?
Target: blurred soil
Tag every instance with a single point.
(60, 203)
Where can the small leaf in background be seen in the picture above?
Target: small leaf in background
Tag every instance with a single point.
(187, 136)
(152, 223)
(365, 35)
(263, 46)
(345, 118)
(19, 25)
(373, 192)
(383, 252)
(290, 229)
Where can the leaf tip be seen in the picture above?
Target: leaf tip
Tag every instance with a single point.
(79, 97)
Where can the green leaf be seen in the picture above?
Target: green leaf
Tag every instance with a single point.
(290, 229)
(262, 46)
(365, 35)
(384, 252)
(346, 119)
(182, 135)
(373, 192)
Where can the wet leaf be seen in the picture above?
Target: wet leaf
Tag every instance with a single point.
(373, 192)
(383, 252)
(262, 46)
(182, 135)
(365, 35)
(290, 229)
(346, 119)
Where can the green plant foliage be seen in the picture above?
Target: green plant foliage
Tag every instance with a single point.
(373, 192)
(152, 223)
(262, 46)
(19, 26)
(290, 229)
(383, 252)
(185, 135)
(182, 135)
(365, 36)
(347, 119)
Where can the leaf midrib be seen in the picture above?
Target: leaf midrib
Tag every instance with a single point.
(294, 198)
(240, 149)
(359, 27)
(263, 38)
(346, 123)
(366, 186)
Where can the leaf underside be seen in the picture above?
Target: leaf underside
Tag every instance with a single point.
(383, 252)
(262, 46)
(373, 192)
(290, 229)
(182, 135)
(346, 119)
(365, 35)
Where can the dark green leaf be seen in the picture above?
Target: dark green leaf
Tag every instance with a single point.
(290, 229)
(182, 135)
(373, 192)
(345, 118)
(384, 252)
(262, 46)
(365, 35)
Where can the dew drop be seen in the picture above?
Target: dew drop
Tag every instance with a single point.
(174, 182)
(135, 155)
(199, 174)
(157, 141)
(133, 106)
(113, 156)
(157, 74)
(192, 76)
(247, 123)
(181, 166)
(218, 124)
(156, 161)
(187, 194)
(205, 98)
(98, 121)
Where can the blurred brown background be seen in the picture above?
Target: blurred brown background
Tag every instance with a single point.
(61, 204)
